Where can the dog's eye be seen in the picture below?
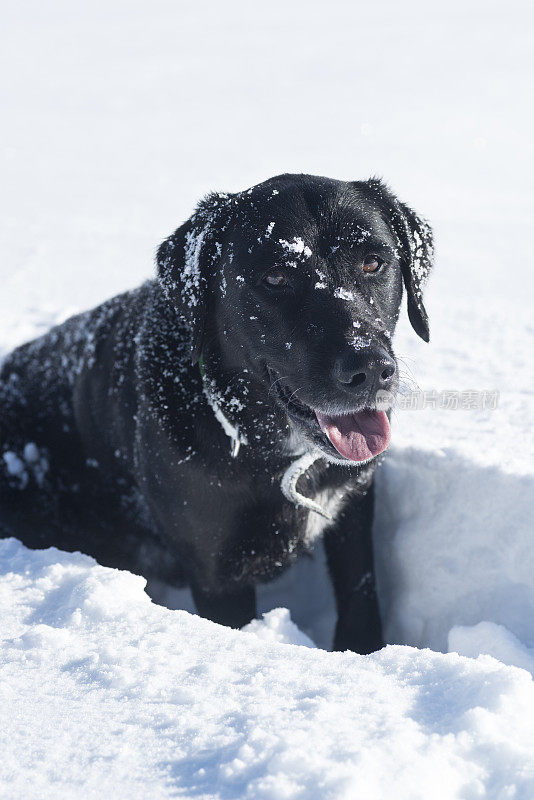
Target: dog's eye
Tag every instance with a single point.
(372, 263)
(276, 279)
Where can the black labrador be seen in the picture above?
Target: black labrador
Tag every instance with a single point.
(207, 427)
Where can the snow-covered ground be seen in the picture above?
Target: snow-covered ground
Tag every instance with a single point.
(107, 694)
(117, 117)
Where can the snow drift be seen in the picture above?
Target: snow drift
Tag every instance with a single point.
(114, 695)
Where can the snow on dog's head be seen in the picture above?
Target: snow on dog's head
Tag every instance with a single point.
(295, 285)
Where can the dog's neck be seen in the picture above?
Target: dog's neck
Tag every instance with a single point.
(221, 404)
(226, 407)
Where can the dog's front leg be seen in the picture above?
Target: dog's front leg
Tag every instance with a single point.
(349, 551)
(233, 607)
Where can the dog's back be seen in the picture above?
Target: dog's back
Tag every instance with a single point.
(66, 434)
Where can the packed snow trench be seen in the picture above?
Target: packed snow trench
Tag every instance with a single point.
(118, 118)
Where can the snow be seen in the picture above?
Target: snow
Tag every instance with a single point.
(32, 460)
(277, 626)
(232, 431)
(191, 271)
(117, 119)
(344, 294)
(296, 246)
(113, 694)
(454, 525)
(15, 467)
(495, 640)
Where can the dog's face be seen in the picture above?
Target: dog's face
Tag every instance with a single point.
(298, 281)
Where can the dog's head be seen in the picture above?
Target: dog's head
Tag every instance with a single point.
(297, 282)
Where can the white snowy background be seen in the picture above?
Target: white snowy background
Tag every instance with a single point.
(116, 117)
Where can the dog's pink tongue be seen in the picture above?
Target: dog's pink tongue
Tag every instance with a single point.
(358, 436)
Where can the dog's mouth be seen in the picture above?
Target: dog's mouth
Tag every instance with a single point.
(359, 436)
(356, 436)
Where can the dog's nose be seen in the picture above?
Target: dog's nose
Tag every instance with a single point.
(364, 369)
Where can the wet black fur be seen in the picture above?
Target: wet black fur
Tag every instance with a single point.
(108, 443)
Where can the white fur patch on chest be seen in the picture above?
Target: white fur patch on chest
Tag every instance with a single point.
(296, 444)
(331, 500)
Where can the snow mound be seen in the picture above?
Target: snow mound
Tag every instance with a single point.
(277, 626)
(453, 534)
(494, 640)
(104, 692)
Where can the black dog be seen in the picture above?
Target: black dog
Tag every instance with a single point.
(207, 427)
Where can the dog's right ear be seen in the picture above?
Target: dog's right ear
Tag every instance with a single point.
(185, 262)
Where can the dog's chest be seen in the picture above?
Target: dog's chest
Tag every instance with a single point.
(323, 492)
(331, 501)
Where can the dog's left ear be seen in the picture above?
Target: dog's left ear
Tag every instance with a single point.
(185, 262)
(414, 240)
